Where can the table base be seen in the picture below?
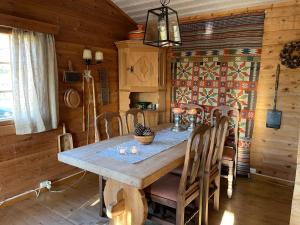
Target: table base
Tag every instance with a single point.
(125, 205)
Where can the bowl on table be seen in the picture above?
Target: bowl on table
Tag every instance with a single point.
(144, 140)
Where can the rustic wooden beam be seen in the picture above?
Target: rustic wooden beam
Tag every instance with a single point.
(27, 24)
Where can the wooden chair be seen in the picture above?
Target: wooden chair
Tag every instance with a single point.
(134, 113)
(199, 108)
(230, 154)
(212, 173)
(178, 192)
(108, 120)
(201, 112)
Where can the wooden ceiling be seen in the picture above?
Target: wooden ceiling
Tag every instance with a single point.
(137, 9)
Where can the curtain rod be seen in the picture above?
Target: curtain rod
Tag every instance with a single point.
(5, 29)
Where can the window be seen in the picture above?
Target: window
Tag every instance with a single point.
(6, 97)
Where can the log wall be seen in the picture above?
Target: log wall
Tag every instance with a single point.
(27, 160)
(274, 152)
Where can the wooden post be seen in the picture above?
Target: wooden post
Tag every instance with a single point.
(295, 213)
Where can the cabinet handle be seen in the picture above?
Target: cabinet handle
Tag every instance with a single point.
(131, 69)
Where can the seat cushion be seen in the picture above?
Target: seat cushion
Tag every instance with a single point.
(230, 141)
(228, 153)
(166, 187)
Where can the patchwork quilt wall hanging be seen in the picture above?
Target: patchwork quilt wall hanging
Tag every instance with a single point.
(218, 64)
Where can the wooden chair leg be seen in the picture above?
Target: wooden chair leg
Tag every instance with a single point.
(230, 179)
(180, 213)
(235, 167)
(101, 196)
(205, 201)
(234, 172)
(198, 204)
(217, 194)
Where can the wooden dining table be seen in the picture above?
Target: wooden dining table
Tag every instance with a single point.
(124, 195)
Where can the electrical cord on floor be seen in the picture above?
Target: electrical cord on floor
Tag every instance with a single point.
(70, 186)
(38, 192)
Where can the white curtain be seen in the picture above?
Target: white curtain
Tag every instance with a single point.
(35, 81)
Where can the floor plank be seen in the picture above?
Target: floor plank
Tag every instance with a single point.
(254, 202)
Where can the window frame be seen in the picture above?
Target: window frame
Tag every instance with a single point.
(8, 121)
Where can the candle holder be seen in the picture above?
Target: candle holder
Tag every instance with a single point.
(192, 117)
(88, 58)
(192, 121)
(177, 122)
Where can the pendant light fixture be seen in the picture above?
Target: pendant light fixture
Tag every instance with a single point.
(162, 27)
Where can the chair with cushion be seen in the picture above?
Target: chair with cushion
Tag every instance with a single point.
(108, 118)
(179, 192)
(230, 153)
(213, 165)
(134, 114)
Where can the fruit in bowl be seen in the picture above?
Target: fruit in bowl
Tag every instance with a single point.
(143, 135)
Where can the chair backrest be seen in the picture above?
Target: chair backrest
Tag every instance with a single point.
(194, 163)
(217, 141)
(199, 108)
(232, 113)
(108, 118)
(134, 113)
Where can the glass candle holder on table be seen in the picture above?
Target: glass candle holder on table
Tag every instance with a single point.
(134, 150)
(177, 120)
(122, 150)
(192, 116)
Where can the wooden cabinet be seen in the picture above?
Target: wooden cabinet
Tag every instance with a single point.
(141, 66)
(142, 74)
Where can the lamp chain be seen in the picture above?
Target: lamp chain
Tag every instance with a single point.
(165, 2)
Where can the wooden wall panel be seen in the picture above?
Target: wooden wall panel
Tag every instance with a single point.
(28, 159)
(274, 152)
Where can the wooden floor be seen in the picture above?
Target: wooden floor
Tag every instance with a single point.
(254, 202)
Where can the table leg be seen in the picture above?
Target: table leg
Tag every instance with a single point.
(125, 204)
(101, 196)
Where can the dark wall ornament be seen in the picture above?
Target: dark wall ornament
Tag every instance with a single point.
(290, 55)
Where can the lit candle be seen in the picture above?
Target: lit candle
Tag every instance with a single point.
(122, 150)
(162, 29)
(134, 150)
(176, 33)
(192, 111)
(87, 54)
(177, 110)
(99, 56)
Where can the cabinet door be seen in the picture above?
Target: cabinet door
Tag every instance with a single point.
(142, 68)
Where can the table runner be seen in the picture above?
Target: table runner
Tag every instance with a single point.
(163, 140)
